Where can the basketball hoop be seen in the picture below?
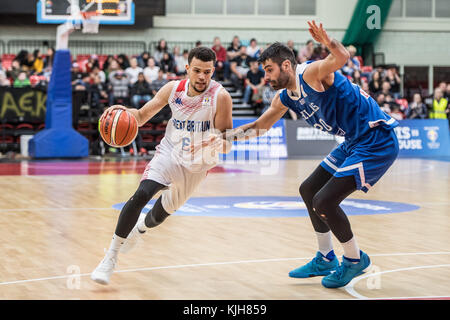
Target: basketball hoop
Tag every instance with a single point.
(90, 25)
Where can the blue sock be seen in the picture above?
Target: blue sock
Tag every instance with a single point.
(330, 255)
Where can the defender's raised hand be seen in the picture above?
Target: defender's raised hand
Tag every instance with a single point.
(318, 33)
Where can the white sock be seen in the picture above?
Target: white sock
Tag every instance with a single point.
(115, 245)
(351, 249)
(325, 243)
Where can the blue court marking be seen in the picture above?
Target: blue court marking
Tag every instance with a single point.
(274, 207)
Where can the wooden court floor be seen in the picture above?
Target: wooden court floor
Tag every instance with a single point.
(57, 218)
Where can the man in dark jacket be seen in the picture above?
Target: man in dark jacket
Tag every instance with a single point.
(140, 91)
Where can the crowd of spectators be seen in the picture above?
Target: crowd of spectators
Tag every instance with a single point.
(133, 80)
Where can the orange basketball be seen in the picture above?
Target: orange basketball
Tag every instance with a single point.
(118, 128)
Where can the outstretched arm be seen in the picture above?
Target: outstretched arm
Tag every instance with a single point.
(247, 131)
(261, 125)
(151, 108)
(322, 69)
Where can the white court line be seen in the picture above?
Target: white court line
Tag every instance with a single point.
(351, 290)
(212, 264)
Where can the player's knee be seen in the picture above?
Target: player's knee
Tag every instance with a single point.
(141, 197)
(306, 191)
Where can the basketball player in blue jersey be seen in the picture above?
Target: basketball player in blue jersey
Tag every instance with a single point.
(329, 102)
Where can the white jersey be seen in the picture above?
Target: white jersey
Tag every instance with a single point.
(192, 122)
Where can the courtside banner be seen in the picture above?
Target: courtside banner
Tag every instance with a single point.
(272, 145)
(304, 140)
(418, 138)
(22, 104)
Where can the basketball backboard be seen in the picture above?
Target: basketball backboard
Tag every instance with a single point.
(107, 11)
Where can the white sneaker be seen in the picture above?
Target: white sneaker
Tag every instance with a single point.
(133, 237)
(104, 270)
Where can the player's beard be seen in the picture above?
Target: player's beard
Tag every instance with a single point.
(281, 82)
(194, 86)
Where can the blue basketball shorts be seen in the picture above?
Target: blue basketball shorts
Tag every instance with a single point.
(367, 159)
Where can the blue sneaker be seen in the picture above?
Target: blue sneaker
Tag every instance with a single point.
(347, 271)
(316, 267)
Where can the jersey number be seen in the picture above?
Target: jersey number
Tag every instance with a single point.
(323, 126)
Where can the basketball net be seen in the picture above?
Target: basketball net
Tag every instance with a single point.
(90, 25)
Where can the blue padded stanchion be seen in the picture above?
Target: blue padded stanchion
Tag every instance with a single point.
(59, 139)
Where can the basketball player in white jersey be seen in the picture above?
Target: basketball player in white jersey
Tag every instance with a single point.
(200, 107)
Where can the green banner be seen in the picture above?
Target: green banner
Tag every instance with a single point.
(366, 24)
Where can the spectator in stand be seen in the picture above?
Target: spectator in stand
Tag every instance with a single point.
(440, 106)
(253, 50)
(447, 92)
(254, 82)
(416, 109)
(221, 59)
(396, 113)
(290, 45)
(234, 48)
(167, 64)
(389, 99)
(119, 88)
(78, 77)
(380, 98)
(160, 49)
(107, 64)
(239, 67)
(4, 81)
(159, 82)
(48, 60)
(38, 62)
(349, 68)
(140, 91)
(112, 69)
(97, 90)
(91, 63)
(375, 83)
(177, 57)
(357, 78)
(365, 87)
(320, 52)
(443, 86)
(394, 80)
(151, 71)
(352, 50)
(306, 52)
(22, 57)
(97, 72)
(80, 94)
(133, 71)
(198, 43)
(142, 59)
(268, 93)
(14, 70)
(181, 62)
(27, 64)
(386, 88)
(122, 59)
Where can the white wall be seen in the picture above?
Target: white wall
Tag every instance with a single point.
(415, 41)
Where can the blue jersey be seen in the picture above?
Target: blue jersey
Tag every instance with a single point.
(344, 109)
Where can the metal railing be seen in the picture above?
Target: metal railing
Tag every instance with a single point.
(77, 47)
